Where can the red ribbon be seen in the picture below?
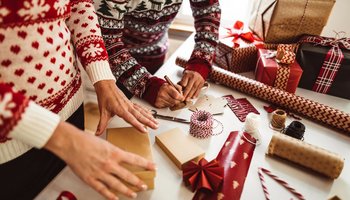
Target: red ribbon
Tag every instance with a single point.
(67, 194)
(204, 175)
(237, 33)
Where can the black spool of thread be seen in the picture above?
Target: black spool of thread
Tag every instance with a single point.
(295, 129)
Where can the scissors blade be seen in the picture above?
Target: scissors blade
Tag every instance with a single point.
(175, 119)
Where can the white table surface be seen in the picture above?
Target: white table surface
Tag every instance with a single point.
(168, 182)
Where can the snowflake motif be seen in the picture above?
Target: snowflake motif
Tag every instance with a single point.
(61, 6)
(197, 53)
(33, 9)
(92, 50)
(6, 105)
(3, 13)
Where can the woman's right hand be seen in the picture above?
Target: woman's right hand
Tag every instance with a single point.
(96, 161)
(168, 96)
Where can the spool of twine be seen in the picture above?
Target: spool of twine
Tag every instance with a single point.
(278, 119)
(251, 126)
(201, 125)
(295, 129)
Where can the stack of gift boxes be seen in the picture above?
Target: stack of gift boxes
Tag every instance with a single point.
(320, 63)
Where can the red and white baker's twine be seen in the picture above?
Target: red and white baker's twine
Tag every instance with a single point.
(201, 125)
(279, 180)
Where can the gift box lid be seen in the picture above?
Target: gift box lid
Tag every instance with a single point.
(179, 147)
(131, 140)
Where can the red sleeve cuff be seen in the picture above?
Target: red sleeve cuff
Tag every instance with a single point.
(200, 66)
(152, 88)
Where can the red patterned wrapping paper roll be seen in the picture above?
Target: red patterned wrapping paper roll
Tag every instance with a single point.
(316, 111)
(235, 157)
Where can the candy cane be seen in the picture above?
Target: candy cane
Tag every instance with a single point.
(279, 180)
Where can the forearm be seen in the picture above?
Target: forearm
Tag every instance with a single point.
(207, 21)
(88, 41)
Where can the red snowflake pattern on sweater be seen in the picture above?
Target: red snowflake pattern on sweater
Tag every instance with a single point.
(41, 42)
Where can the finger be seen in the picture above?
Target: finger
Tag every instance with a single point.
(103, 190)
(146, 113)
(131, 119)
(146, 118)
(102, 124)
(178, 88)
(174, 94)
(192, 91)
(115, 184)
(137, 160)
(197, 92)
(184, 81)
(142, 119)
(129, 177)
(188, 89)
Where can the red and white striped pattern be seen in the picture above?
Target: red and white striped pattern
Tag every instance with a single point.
(279, 180)
(201, 125)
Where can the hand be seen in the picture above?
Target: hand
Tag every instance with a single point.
(192, 82)
(168, 96)
(96, 161)
(112, 101)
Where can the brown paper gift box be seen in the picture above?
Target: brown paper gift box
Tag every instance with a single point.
(131, 140)
(179, 147)
(284, 21)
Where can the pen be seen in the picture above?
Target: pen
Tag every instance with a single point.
(171, 83)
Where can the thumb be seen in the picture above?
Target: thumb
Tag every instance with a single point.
(104, 118)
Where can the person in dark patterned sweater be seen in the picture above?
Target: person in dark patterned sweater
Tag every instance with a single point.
(135, 35)
(41, 96)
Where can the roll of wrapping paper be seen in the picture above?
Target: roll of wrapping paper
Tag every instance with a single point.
(307, 155)
(309, 108)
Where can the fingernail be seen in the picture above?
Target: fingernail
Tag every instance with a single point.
(144, 129)
(133, 195)
(144, 187)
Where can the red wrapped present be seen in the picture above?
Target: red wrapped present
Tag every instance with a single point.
(279, 69)
(237, 49)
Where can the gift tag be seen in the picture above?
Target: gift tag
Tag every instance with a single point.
(211, 104)
(241, 107)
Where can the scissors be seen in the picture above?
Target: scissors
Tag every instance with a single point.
(175, 119)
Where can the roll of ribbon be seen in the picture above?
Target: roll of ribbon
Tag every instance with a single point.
(251, 126)
(309, 108)
(295, 129)
(278, 119)
(307, 155)
(201, 125)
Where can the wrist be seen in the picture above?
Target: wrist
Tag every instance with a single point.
(200, 66)
(152, 89)
(63, 140)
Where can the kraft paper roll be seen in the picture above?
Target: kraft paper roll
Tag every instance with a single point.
(303, 106)
(307, 155)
